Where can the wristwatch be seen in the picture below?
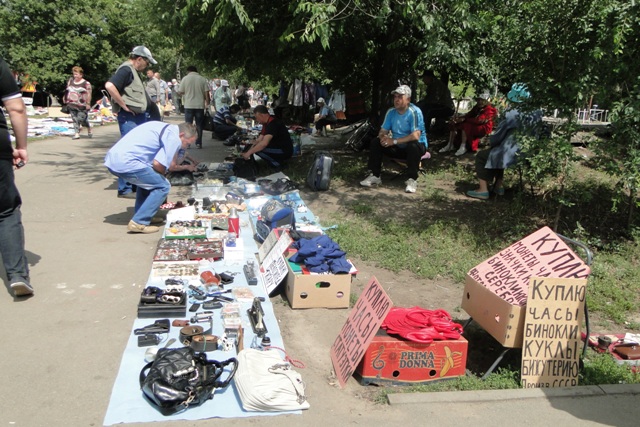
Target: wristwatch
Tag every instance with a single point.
(395, 142)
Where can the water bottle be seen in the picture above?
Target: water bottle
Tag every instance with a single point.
(234, 222)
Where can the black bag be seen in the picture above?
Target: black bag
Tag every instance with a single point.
(208, 121)
(65, 109)
(179, 378)
(319, 175)
(245, 168)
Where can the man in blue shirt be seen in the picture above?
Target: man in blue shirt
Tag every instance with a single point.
(224, 122)
(402, 136)
(142, 157)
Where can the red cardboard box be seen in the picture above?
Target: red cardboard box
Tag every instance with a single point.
(394, 360)
(495, 292)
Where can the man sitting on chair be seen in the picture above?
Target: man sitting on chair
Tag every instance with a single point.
(402, 136)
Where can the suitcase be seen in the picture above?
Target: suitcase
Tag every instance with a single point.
(319, 175)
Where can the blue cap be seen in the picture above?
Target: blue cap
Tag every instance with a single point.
(518, 93)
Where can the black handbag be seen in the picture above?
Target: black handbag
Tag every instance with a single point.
(180, 378)
(245, 168)
(65, 109)
(208, 121)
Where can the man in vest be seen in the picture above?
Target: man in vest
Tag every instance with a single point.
(129, 99)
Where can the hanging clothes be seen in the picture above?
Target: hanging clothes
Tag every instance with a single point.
(337, 101)
(339, 105)
(297, 93)
(309, 94)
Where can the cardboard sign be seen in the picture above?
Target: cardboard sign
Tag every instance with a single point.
(552, 339)
(541, 254)
(274, 266)
(357, 333)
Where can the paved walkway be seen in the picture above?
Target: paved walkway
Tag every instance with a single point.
(61, 349)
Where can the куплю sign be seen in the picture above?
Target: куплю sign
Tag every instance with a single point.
(552, 340)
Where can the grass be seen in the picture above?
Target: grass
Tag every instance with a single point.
(439, 236)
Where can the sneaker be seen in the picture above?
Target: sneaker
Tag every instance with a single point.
(90, 135)
(156, 220)
(371, 180)
(199, 146)
(134, 227)
(499, 191)
(129, 195)
(446, 148)
(412, 185)
(461, 150)
(76, 136)
(22, 289)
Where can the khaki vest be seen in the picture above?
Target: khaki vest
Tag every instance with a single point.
(134, 96)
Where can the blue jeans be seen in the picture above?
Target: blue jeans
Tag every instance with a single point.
(11, 229)
(153, 190)
(126, 122)
(198, 114)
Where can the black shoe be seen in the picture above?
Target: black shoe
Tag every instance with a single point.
(130, 195)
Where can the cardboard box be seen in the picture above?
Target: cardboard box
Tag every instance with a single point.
(495, 292)
(317, 290)
(391, 360)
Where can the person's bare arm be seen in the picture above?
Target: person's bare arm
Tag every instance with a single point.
(159, 167)
(19, 122)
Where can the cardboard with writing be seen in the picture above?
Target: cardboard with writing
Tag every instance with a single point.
(552, 339)
(359, 330)
(496, 290)
(273, 265)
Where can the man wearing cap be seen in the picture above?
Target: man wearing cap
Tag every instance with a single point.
(130, 101)
(142, 157)
(194, 90)
(504, 150)
(326, 116)
(222, 95)
(402, 136)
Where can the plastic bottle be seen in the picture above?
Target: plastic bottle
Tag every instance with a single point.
(234, 222)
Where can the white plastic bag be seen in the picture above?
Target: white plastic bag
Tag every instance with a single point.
(265, 382)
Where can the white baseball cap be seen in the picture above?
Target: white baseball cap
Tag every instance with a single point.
(402, 90)
(320, 101)
(224, 83)
(144, 52)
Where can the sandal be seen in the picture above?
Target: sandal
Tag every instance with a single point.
(478, 195)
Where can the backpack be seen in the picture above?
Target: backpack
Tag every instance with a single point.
(274, 214)
(319, 175)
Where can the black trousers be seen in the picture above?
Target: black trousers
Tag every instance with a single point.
(411, 152)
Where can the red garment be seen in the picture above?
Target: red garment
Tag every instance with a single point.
(478, 122)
